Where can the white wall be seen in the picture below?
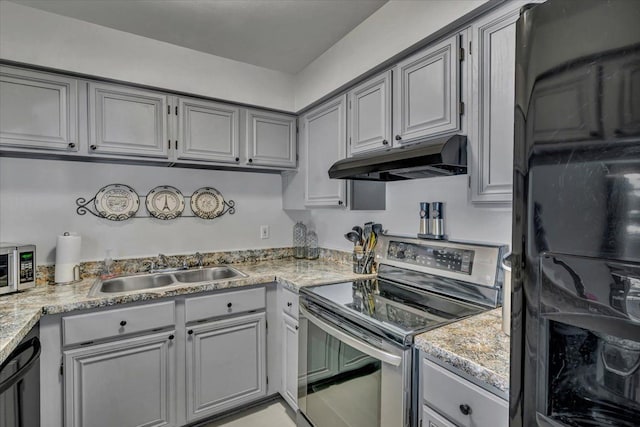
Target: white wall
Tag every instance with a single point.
(41, 38)
(463, 221)
(394, 27)
(37, 203)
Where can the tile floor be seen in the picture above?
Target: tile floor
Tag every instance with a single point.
(271, 414)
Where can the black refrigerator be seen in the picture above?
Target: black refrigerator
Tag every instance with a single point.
(575, 339)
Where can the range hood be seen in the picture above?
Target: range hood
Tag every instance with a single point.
(425, 159)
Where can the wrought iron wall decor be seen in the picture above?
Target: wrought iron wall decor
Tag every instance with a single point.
(119, 202)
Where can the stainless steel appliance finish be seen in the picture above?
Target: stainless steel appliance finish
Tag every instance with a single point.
(355, 342)
(20, 384)
(575, 332)
(17, 267)
(442, 156)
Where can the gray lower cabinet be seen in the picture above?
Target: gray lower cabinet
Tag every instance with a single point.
(290, 360)
(130, 382)
(324, 136)
(431, 418)
(38, 110)
(225, 364)
(426, 96)
(370, 115)
(127, 121)
(271, 139)
(207, 131)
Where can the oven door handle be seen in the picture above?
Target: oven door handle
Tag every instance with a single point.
(22, 371)
(365, 348)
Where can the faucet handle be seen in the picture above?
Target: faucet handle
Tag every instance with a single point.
(200, 258)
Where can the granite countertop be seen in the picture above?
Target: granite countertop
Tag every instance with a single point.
(20, 312)
(475, 347)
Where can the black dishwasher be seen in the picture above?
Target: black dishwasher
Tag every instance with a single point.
(20, 384)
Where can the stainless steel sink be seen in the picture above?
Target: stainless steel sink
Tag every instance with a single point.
(208, 274)
(134, 283)
(159, 280)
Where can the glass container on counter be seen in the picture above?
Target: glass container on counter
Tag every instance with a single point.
(299, 240)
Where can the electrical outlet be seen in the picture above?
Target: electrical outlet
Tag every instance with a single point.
(264, 231)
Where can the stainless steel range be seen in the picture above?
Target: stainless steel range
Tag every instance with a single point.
(355, 355)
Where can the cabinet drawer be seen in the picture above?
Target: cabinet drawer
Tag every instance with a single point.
(223, 304)
(112, 323)
(289, 300)
(447, 392)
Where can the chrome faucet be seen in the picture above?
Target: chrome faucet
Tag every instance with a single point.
(200, 259)
(163, 261)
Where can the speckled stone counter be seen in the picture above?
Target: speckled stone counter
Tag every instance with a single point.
(20, 312)
(475, 346)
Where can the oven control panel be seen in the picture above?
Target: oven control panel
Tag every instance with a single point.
(439, 257)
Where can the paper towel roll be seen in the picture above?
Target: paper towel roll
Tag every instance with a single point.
(68, 249)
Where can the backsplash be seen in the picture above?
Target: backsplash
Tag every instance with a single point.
(92, 269)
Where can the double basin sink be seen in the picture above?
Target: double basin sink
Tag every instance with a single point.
(160, 280)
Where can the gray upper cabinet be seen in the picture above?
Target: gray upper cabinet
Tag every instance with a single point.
(130, 382)
(324, 136)
(370, 115)
(492, 124)
(271, 139)
(38, 110)
(127, 121)
(226, 364)
(427, 92)
(208, 131)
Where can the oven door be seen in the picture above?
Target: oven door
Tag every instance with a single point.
(348, 377)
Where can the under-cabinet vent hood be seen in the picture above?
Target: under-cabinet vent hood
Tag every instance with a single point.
(425, 159)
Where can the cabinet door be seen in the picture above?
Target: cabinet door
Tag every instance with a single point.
(427, 92)
(492, 138)
(370, 115)
(226, 364)
(38, 110)
(324, 136)
(431, 418)
(127, 121)
(208, 131)
(126, 383)
(271, 139)
(290, 360)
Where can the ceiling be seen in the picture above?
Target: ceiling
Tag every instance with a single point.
(283, 35)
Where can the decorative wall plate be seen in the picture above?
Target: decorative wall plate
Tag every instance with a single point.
(117, 202)
(207, 203)
(165, 202)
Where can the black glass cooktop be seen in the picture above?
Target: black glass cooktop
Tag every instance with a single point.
(398, 310)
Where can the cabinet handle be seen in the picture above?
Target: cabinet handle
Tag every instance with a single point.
(297, 327)
(176, 144)
(93, 147)
(289, 304)
(71, 145)
(176, 110)
(171, 336)
(229, 305)
(123, 322)
(250, 160)
(237, 159)
(398, 137)
(465, 409)
(340, 202)
(190, 331)
(385, 142)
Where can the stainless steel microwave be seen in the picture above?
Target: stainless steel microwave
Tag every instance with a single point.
(17, 267)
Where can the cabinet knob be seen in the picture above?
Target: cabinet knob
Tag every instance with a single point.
(71, 145)
(398, 137)
(190, 331)
(289, 304)
(297, 327)
(340, 202)
(171, 336)
(465, 409)
(123, 322)
(250, 160)
(229, 305)
(237, 159)
(93, 147)
(385, 142)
